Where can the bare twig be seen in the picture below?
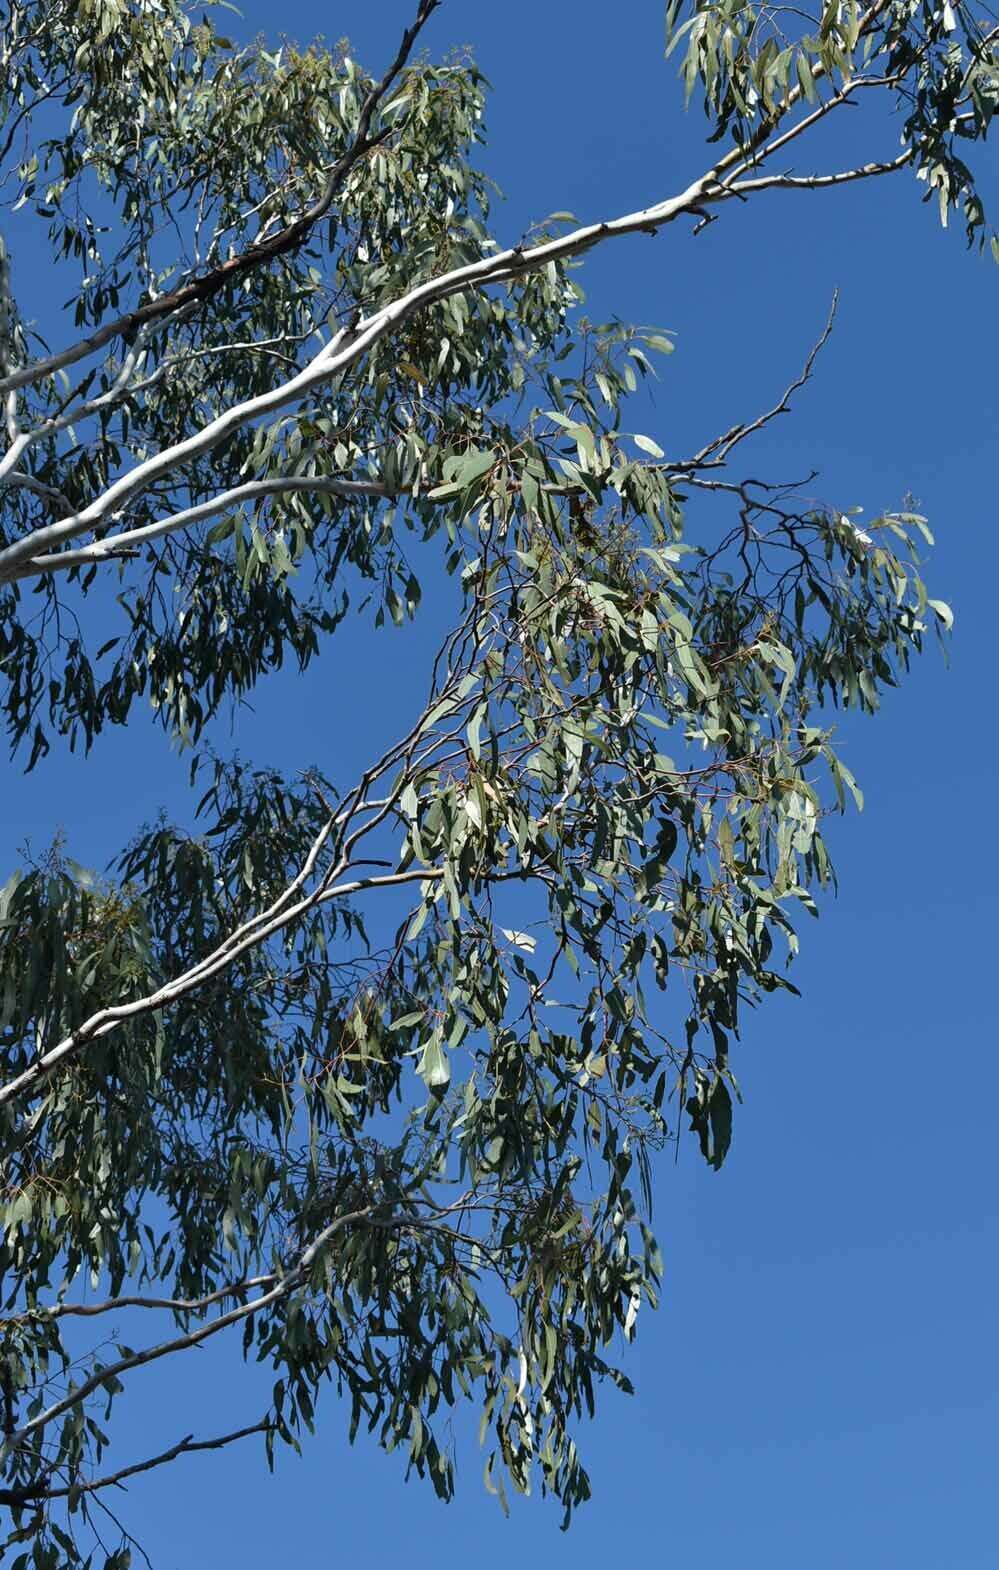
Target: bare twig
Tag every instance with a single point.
(717, 451)
(32, 1492)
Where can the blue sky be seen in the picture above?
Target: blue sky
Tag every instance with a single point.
(820, 1385)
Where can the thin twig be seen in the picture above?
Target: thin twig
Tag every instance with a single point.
(32, 1492)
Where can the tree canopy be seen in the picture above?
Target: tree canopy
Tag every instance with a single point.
(371, 1072)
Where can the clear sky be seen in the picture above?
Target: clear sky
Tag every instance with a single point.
(819, 1388)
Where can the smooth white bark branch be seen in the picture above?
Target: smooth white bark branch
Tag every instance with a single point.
(36, 553)
(48, 493)
(343, 351)
(178, 1305)
(347, 348)
(818, 182)
(131, 540)
(289, 906)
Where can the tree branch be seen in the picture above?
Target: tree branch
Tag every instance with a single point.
(110, 1305)
(347, 347)
(32, 1492)
(194, 1338)
(200, 290)
(817, 182)
(274, 918)
(757, 150)
(131, 540)
(47, 493)
(717, 451)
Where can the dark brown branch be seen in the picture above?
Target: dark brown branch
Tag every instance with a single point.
(715, 452)
(32, 1492)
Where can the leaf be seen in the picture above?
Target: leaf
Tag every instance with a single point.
(434, 1068)
(474, 731)
(522, 940)
(634, 1304)
(473, 465)
(805, 79)
(726, 841)
(221, 531)
(942, 609)
(720, 1111)
(710, 1110)
(404, 1021)
(648, 445)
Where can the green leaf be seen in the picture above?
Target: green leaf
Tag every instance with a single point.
(473, 466)
(657, 341)
(648, 445)
(433, 1067)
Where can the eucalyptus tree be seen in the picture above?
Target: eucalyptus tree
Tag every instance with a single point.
(370, 1072)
